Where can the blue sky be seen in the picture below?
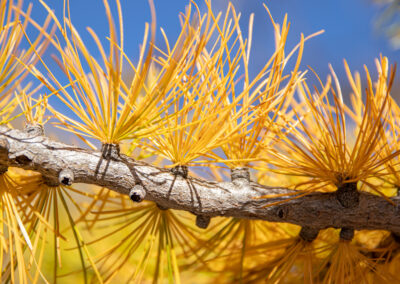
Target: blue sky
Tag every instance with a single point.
(348, 24)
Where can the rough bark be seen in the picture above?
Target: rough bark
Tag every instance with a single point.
(60, 162)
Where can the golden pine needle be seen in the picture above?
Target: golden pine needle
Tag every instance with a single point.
(147, 237)
(229, 247)
(187, 102)
(347, 264)
(110, 110)
(12, 73)
(44, 210)
(319, 146)
(15, 239)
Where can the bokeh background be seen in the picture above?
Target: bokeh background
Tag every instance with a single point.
(351, 33)
(355, 30)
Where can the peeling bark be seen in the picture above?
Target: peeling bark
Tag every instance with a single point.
(57, 161)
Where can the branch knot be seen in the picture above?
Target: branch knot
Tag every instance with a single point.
(202, 221)
(180, 170)
(240, 173)
(308, 234)
(4, 147)
(347, 234)
(348, 195)
(137, 193)
(66, 177)
(110, 151)
(34, 129)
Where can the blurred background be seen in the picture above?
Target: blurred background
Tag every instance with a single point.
(355, 30)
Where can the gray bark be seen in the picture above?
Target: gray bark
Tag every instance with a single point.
(63, 163)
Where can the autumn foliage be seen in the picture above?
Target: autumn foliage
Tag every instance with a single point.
(191, 103)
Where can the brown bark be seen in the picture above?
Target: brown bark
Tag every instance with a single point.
(64, 163)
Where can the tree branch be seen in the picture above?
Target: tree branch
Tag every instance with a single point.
(203, 198)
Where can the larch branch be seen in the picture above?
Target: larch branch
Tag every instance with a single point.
(65, 163)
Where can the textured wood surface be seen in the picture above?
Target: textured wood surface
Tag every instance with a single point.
(64, 163)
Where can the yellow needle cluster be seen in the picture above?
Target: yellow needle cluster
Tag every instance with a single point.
(192, 103)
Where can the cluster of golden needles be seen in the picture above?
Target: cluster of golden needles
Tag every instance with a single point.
(193, 103)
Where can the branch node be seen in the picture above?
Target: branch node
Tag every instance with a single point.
(346, 234)
(137, 193)
(34, 129)
(51, 181)
(308, 234)
(66, 177)
(202, 221)
(240, 177)
(180, 170)
(240, 173)
(3, 169)
(396, 237)
(348, 195)
(282, 212)
(110, 151)
(161, 207)
(4, 148)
